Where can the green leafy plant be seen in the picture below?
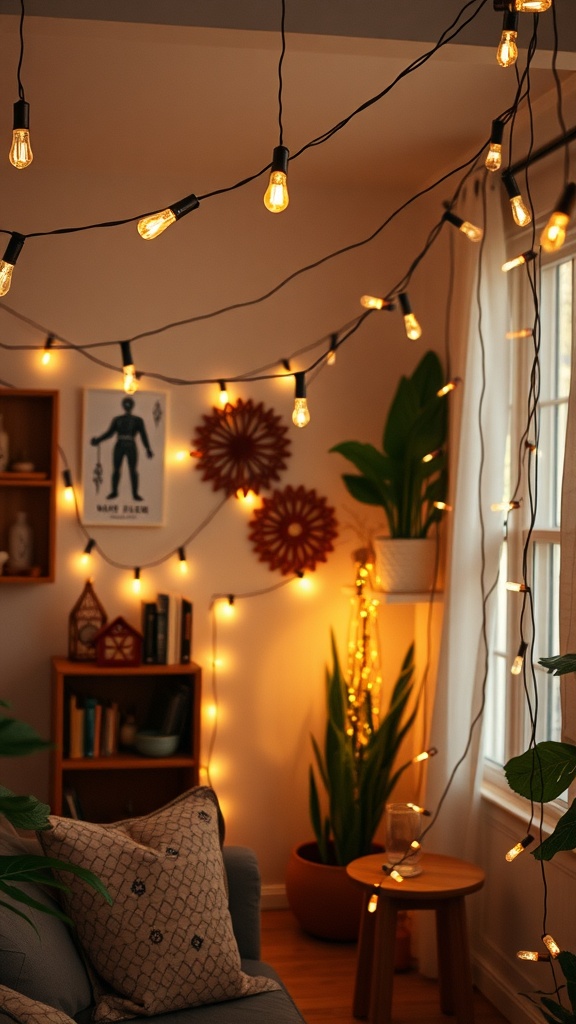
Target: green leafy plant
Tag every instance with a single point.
(396, 477)
(541, 774)
(26, 812)
(357, 777)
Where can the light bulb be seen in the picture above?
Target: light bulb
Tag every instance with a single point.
(551, 945)
(182, 561)
(493, 160)
(413, 329)
(373, 302)
(223, 398)
(507, 52)
(531, 955)
(301, 414)
(20, 155)
(516, 588)
(442, 506)
(276, 197)
(46, 353)
(8, 261)
(130, 382)
(331, 356)
(424, 755)
(518, 261)
(532, 6)
(554, 234)
(519, 848)
(473, 234)
(87, 553)
(520, 211)
(450, 386)
(373, 903)
(155, 223)
(136, 582)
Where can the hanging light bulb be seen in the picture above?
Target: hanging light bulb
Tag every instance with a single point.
(155, 223)
(505, 506)
(442, 506)
(86, 554)
(519, 659)
(46, 352)
(373, 302)
(532, 955)
(551, 945)
(518, 261)
(182, 561)
(431, 752)
(331, 357)
(372, 903)
(520, 211)
(301, 414)
(507, 52)
(20, 155)
(449, 386)
(136, 582)
(554, 234)
(68, 487)
(516, 588)
(223, 399)
(524, 332)
(532, 6)
(276, 197)
(473, 234)
(128, 369)
(413, 329)
(493, 160)
(519, 848)
(8, 261)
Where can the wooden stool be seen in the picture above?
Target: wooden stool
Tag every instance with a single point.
(442, 886)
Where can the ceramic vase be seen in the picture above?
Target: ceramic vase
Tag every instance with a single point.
(20, 544)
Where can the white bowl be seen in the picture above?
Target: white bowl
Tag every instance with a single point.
(153, 745)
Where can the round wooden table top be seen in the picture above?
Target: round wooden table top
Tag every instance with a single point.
(440, 876)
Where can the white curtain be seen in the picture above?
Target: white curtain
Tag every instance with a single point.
(480, 357)
(568, 565)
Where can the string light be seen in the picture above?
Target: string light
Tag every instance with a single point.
(413, 329)
(86, 554)
(300, 414)
(532, 6)
(155, 223)
(520, 211)
(46, 352)
(136, 582)
(395, 874)
(493, 160)
(223, 399)
(128, 369)
(431, 752)
(551, 945)
(373, 903)
(21, 155)
(442, 506)
(554, 234)
(8, 262)
(532, 955)
(68, 486)
(519, 261)
(450, 386)
(473, 233)
(420, 810)
(519, 848)
(373, 302)
(432, 455)
(507, 52)
(331, 357)
(182, 561)
(276, 196)
(504, 506)
(524, 332)
(519, 659)
(516, 588)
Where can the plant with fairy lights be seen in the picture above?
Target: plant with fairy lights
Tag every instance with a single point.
(357, 764)
(541, 774)
(408, 476)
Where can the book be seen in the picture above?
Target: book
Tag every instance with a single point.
(72, 806)
(149, 627)
(110, 729)
(90, 704)
(186, 631)
(75, 727)
(161, 629)
(171, 604)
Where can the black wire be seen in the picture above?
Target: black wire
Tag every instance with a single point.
(280, 81)
(20, 86)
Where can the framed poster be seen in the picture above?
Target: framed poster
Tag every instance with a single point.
(123, 442)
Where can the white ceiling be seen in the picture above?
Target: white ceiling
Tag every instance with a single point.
(191, 87)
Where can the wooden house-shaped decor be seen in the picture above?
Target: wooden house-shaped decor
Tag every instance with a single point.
(118, 644)
(85, 622)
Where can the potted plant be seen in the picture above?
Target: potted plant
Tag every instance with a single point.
(357, 770)
(28, 813)
(407, 477)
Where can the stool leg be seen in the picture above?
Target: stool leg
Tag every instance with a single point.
(383, 969)
(364, 961)
(456, 993)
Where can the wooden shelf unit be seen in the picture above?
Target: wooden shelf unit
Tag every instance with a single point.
(31, 421)
(125, 784)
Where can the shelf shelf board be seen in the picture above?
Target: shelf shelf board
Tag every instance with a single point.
(126, 761)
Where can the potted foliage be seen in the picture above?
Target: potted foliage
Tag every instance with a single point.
(356, 770)
(28, 813)
(407, 477)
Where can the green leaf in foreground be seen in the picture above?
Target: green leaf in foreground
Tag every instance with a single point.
(18, 738)
(560, 664)
(543, 772)
(26, 812)
(36, 869)
(562, 838)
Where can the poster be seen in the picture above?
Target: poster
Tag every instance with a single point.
(123, 443)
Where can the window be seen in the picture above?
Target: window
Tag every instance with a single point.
(514, 711)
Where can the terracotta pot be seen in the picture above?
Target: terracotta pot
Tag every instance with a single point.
(323, 898)
(406, 565)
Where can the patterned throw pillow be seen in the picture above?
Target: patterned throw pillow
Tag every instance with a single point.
(28, 1011)
(167, 940)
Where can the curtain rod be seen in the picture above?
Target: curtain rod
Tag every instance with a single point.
(538, 154)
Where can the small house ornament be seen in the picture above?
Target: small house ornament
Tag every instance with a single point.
(118, 644)
(86, 620)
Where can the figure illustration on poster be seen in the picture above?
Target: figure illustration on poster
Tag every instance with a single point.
(127, 427)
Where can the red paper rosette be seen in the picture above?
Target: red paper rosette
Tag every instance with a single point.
(241, 447)
(293, 530)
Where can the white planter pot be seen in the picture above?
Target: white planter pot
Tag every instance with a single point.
(405, 566)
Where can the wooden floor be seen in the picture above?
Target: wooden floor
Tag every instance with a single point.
(320, 977)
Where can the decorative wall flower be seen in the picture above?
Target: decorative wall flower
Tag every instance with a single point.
(293, 530)
(241, 447)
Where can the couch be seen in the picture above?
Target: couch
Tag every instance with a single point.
(47, 966)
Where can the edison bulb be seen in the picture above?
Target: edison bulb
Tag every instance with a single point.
(520, 211)
(130, 379)
(371, 302)
(301, 413)
(413, 329)
(5, 276)
(493, 160)
(20, 155)
(507, 52)
(276, 197)
(554, 234)
(156, 223)
(473, 233)
(532, 6)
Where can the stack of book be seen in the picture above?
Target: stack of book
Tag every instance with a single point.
(93, 727)
(167, 630)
